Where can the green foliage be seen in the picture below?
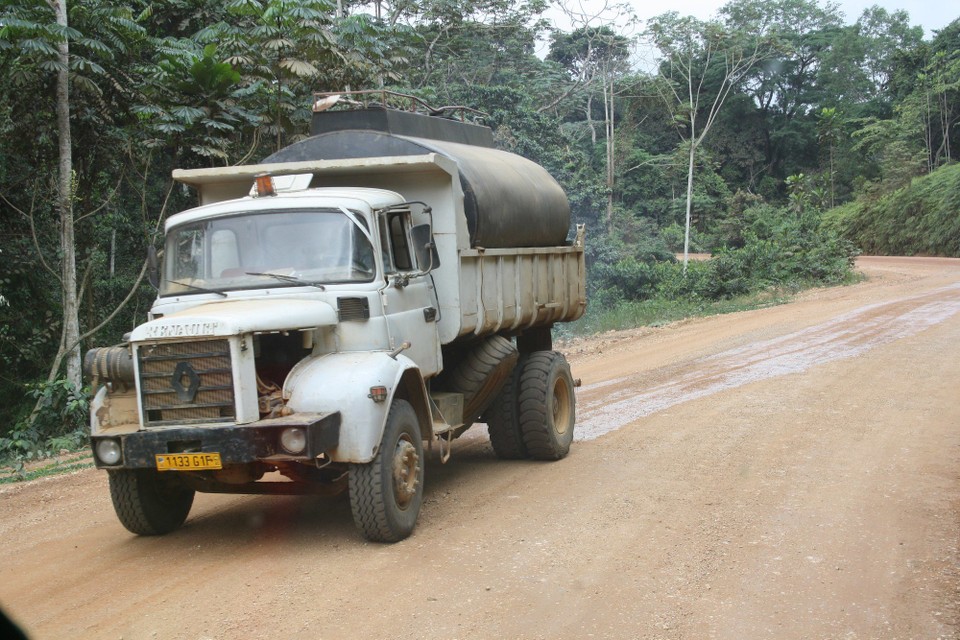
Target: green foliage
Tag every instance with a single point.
(194, 100)
(17, 471)
(782, 248)
(60, 422)
(919, 219)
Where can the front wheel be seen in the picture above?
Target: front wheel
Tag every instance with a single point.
(147, 503)
(386, 494)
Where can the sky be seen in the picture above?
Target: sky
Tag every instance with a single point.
(929, 14)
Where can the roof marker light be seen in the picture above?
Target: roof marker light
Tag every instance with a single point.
(265, 185)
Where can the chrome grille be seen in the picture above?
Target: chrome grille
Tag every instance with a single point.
(186, 382)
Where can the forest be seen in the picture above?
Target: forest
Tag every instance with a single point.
(781, 136)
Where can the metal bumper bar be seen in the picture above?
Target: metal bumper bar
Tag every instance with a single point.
(236, 444)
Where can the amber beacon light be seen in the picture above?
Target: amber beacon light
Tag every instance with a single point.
(265, 185)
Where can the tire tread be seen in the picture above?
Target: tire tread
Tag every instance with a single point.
(140, 506)
(542, 442)
(369, 494)
(503, 419)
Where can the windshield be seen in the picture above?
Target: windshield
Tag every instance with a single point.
(303, 247)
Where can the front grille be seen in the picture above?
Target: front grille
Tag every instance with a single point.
(186, 382)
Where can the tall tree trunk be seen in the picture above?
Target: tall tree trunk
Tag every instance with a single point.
(686, 232)
(608, 117)
(589, 114)
(71, 318)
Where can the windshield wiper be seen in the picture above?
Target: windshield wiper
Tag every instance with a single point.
(195, 287)
(292, 279)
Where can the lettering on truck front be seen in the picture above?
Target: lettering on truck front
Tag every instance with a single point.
(182, 330)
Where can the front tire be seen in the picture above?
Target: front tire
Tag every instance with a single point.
(547, 405)
(147, 503)
(386, 494)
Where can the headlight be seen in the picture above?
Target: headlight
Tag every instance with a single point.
(108, 451)
(293, 440)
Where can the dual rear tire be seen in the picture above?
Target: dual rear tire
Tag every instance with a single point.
(535, 412)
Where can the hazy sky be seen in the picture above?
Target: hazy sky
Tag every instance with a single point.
(929, 14)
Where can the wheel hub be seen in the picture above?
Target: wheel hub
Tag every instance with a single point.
(561, 406)
(406, 468)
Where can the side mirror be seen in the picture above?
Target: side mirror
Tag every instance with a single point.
(153, 267)
(424, 249)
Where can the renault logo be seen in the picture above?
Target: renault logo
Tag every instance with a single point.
(185, 382)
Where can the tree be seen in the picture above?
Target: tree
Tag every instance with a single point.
(883, 35)
(702, 64)
(788, 88)
(36, 48)
(829, 126)
(591, 54)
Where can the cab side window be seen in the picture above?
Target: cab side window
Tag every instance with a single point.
(393, 237)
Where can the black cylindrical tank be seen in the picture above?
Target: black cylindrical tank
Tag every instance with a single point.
(509, 201)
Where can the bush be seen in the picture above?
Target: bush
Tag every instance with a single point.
(60, 422)
(918, 219)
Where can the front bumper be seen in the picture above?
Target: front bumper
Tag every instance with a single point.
(236, 444)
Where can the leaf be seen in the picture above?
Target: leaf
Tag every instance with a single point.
(84, 65)
(187, 113)
(52, 66)
(215, 124)
(86, 84)
(95, 45)
(35, 45)
(147, 109)
(276, 44)
(210, 152)
(299, 68)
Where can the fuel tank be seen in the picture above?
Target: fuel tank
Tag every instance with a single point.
(509, 201)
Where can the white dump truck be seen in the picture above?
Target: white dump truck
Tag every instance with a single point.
(326, 314)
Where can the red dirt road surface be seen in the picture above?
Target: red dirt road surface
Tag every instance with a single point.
(791, 472)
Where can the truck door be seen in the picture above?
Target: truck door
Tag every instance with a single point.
(410, 299)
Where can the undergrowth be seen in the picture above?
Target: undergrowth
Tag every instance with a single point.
(919, 219)
(658, 311)
(58, 424)
(18, 471)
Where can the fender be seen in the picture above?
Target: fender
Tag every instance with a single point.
(342, 381)
(114, 413)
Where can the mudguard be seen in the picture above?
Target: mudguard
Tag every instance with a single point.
(342, 381)
(114, 413)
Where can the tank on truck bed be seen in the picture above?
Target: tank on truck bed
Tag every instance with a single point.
(500, 221)
(384, 283)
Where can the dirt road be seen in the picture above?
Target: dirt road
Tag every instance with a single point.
(791, 472)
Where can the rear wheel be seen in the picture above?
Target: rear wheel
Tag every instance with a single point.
(503, 419)
(547, 405)
(148, 503)
(386, 494)
(481, 374)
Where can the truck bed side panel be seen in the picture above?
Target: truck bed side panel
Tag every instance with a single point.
(509, 290)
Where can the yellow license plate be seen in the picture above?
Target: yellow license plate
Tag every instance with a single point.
(188, 461)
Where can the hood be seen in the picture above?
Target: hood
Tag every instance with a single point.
(237, 317)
